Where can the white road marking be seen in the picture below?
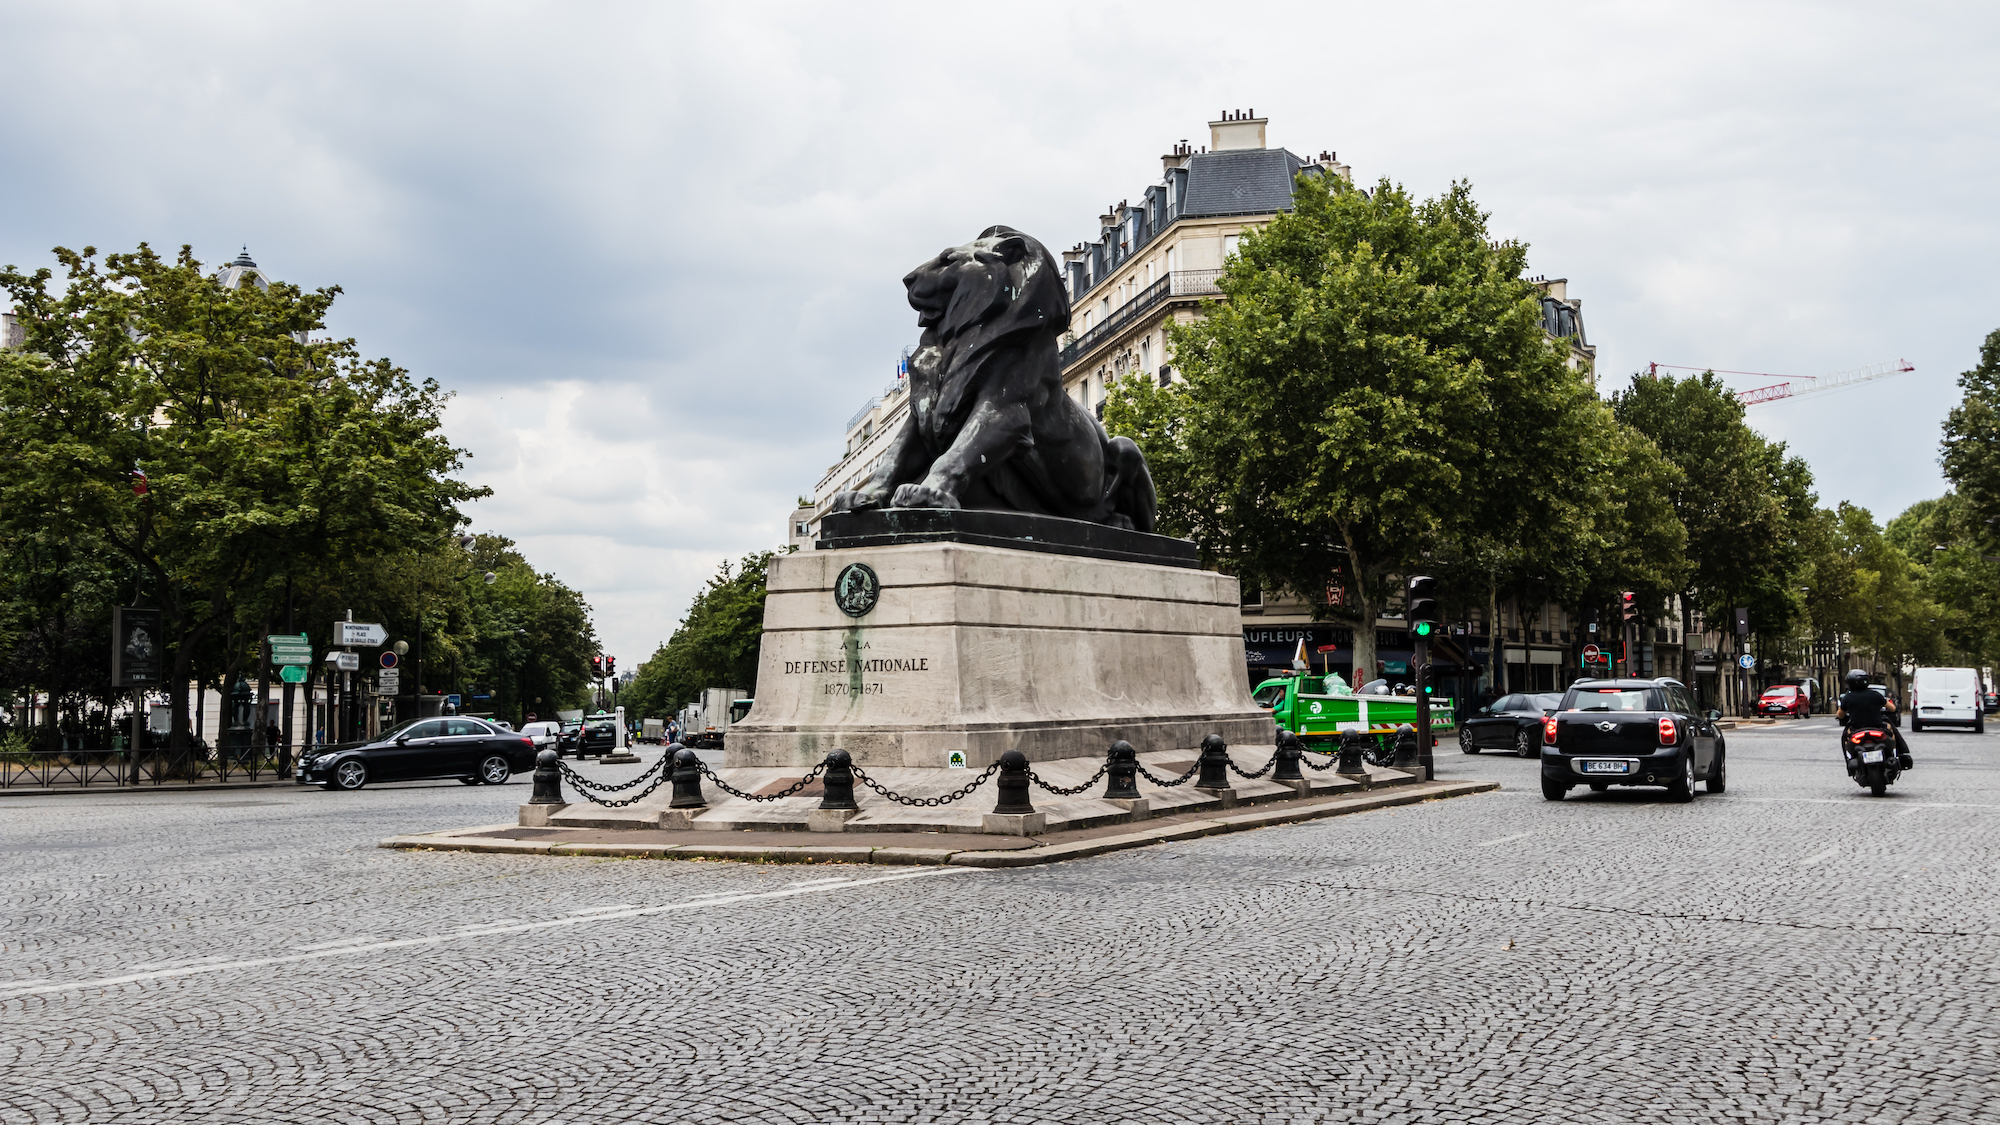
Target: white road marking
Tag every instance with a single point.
(356, 940)
(1503, 840)
(184, 962)
(600, 909)
(1827, 854)
(219, 964)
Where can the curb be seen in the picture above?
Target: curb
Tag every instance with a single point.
(1027, 857)
(102, 790)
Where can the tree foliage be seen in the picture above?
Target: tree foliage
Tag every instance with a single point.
(716, 644)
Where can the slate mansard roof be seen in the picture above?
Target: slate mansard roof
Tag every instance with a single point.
(1240, 182)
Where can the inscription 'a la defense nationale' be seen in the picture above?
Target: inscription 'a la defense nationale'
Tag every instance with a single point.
(840, 667)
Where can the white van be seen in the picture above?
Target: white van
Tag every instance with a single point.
(1947, 696)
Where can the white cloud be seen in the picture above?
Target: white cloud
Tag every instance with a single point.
(656, 249)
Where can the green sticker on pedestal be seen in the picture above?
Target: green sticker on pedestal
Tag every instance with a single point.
(956, 760)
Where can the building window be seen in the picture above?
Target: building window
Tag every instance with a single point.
(1228, 245)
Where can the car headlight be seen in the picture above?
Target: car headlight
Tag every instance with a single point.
(324, 761)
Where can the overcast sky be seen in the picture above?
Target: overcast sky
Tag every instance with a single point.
(656, 249)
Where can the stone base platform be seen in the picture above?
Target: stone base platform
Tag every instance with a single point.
(967, 815)
(955, 849)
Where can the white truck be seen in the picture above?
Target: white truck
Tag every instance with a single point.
(708, 719)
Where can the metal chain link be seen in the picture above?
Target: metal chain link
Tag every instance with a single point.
(735, 792)
(581, 782)
(1072, 790)
(1332, 759)
(1165, 784)
(1378, 753)
(1268, 767)
(639, 796)
(926, 802)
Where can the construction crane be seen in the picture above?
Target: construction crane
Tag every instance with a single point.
(1814, 383)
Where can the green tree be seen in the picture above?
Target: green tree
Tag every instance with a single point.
(1972, 437)
(1376, 389)
(1746, 506)
(271, 458)
(715, 645)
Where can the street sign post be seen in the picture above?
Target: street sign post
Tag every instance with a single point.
(287, 648)
(1746, 662)
(389, 660)
(292, 673)
(388, 682)
(345, 661)
(356, 634)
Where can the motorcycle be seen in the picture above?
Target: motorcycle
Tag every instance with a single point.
(1871, 758)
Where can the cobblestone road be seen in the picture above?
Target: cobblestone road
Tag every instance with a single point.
(1791, 951)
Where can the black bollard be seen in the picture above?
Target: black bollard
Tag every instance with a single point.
(548, 780)
(839, 781)
(1121, 772)
(1351, 764)
(1406, 749)
(687, 781)
(1214, 764)
(1289, 752)
(1013, 784)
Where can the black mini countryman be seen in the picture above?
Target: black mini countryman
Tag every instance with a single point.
(1632, 732)
(475, 752)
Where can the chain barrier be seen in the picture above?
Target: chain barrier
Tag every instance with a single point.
(1165, 784)
(735, 792)
(926, 802)
(581, 782)
(1071, 791)
(1268, 767)
(1379, 752)
(578, 781)
(1332, 759)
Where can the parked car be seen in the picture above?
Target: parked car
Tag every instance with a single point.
(1632, 732)
(546, 735)
(572, 729)
(1992, 701)
(1949, 697)
(1511, 722)
(1783, 700)
(475, 752)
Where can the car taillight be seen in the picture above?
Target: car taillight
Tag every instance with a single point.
(1668, 736)
(528, 742)
(1549, 731)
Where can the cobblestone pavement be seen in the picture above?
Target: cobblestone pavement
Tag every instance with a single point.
(1793, 950)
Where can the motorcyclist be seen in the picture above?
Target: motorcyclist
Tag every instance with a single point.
(1862, 707)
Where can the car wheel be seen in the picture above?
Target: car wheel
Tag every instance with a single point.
(1682, 790)
(493, 770)
(1916, 726)
(1553, 790)
(1465, 741)
(1523, 746)
(350, 774)
(1979, 725)
(1718, 773)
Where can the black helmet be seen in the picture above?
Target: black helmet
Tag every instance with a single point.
(1857, 680)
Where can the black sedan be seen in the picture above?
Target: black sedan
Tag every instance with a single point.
(1511, 722)
(599, 736)
(472, 751)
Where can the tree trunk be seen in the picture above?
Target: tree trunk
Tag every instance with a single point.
(1495, 672)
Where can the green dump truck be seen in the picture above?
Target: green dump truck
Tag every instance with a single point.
(1309, 708)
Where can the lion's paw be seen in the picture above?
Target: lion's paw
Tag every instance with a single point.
(921, 496)
(853, 500)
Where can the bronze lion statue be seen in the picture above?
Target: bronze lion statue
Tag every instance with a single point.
(989, 424)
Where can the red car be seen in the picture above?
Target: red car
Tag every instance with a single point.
(1784, 700)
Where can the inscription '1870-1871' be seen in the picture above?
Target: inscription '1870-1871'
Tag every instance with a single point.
(873, 664)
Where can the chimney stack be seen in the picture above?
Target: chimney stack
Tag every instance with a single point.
(1237, 129)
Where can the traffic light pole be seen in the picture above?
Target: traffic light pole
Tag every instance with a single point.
(1421, 655)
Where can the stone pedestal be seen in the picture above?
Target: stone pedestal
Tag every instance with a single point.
(1014, 824)
(538, 816)
(977, 649)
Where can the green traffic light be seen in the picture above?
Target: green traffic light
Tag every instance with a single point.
(1423, 628)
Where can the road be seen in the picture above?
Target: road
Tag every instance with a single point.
(1792, 951)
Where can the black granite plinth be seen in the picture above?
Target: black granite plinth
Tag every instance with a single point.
(1020, 531)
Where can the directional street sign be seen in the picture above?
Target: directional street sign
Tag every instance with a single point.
(292, 674)
(345, 661)
(287, 648)
(359, 635)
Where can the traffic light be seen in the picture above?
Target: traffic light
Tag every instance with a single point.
(1631, 605)
(1422, 613)
(611, 667)
(596, 667)
(1590, 619)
